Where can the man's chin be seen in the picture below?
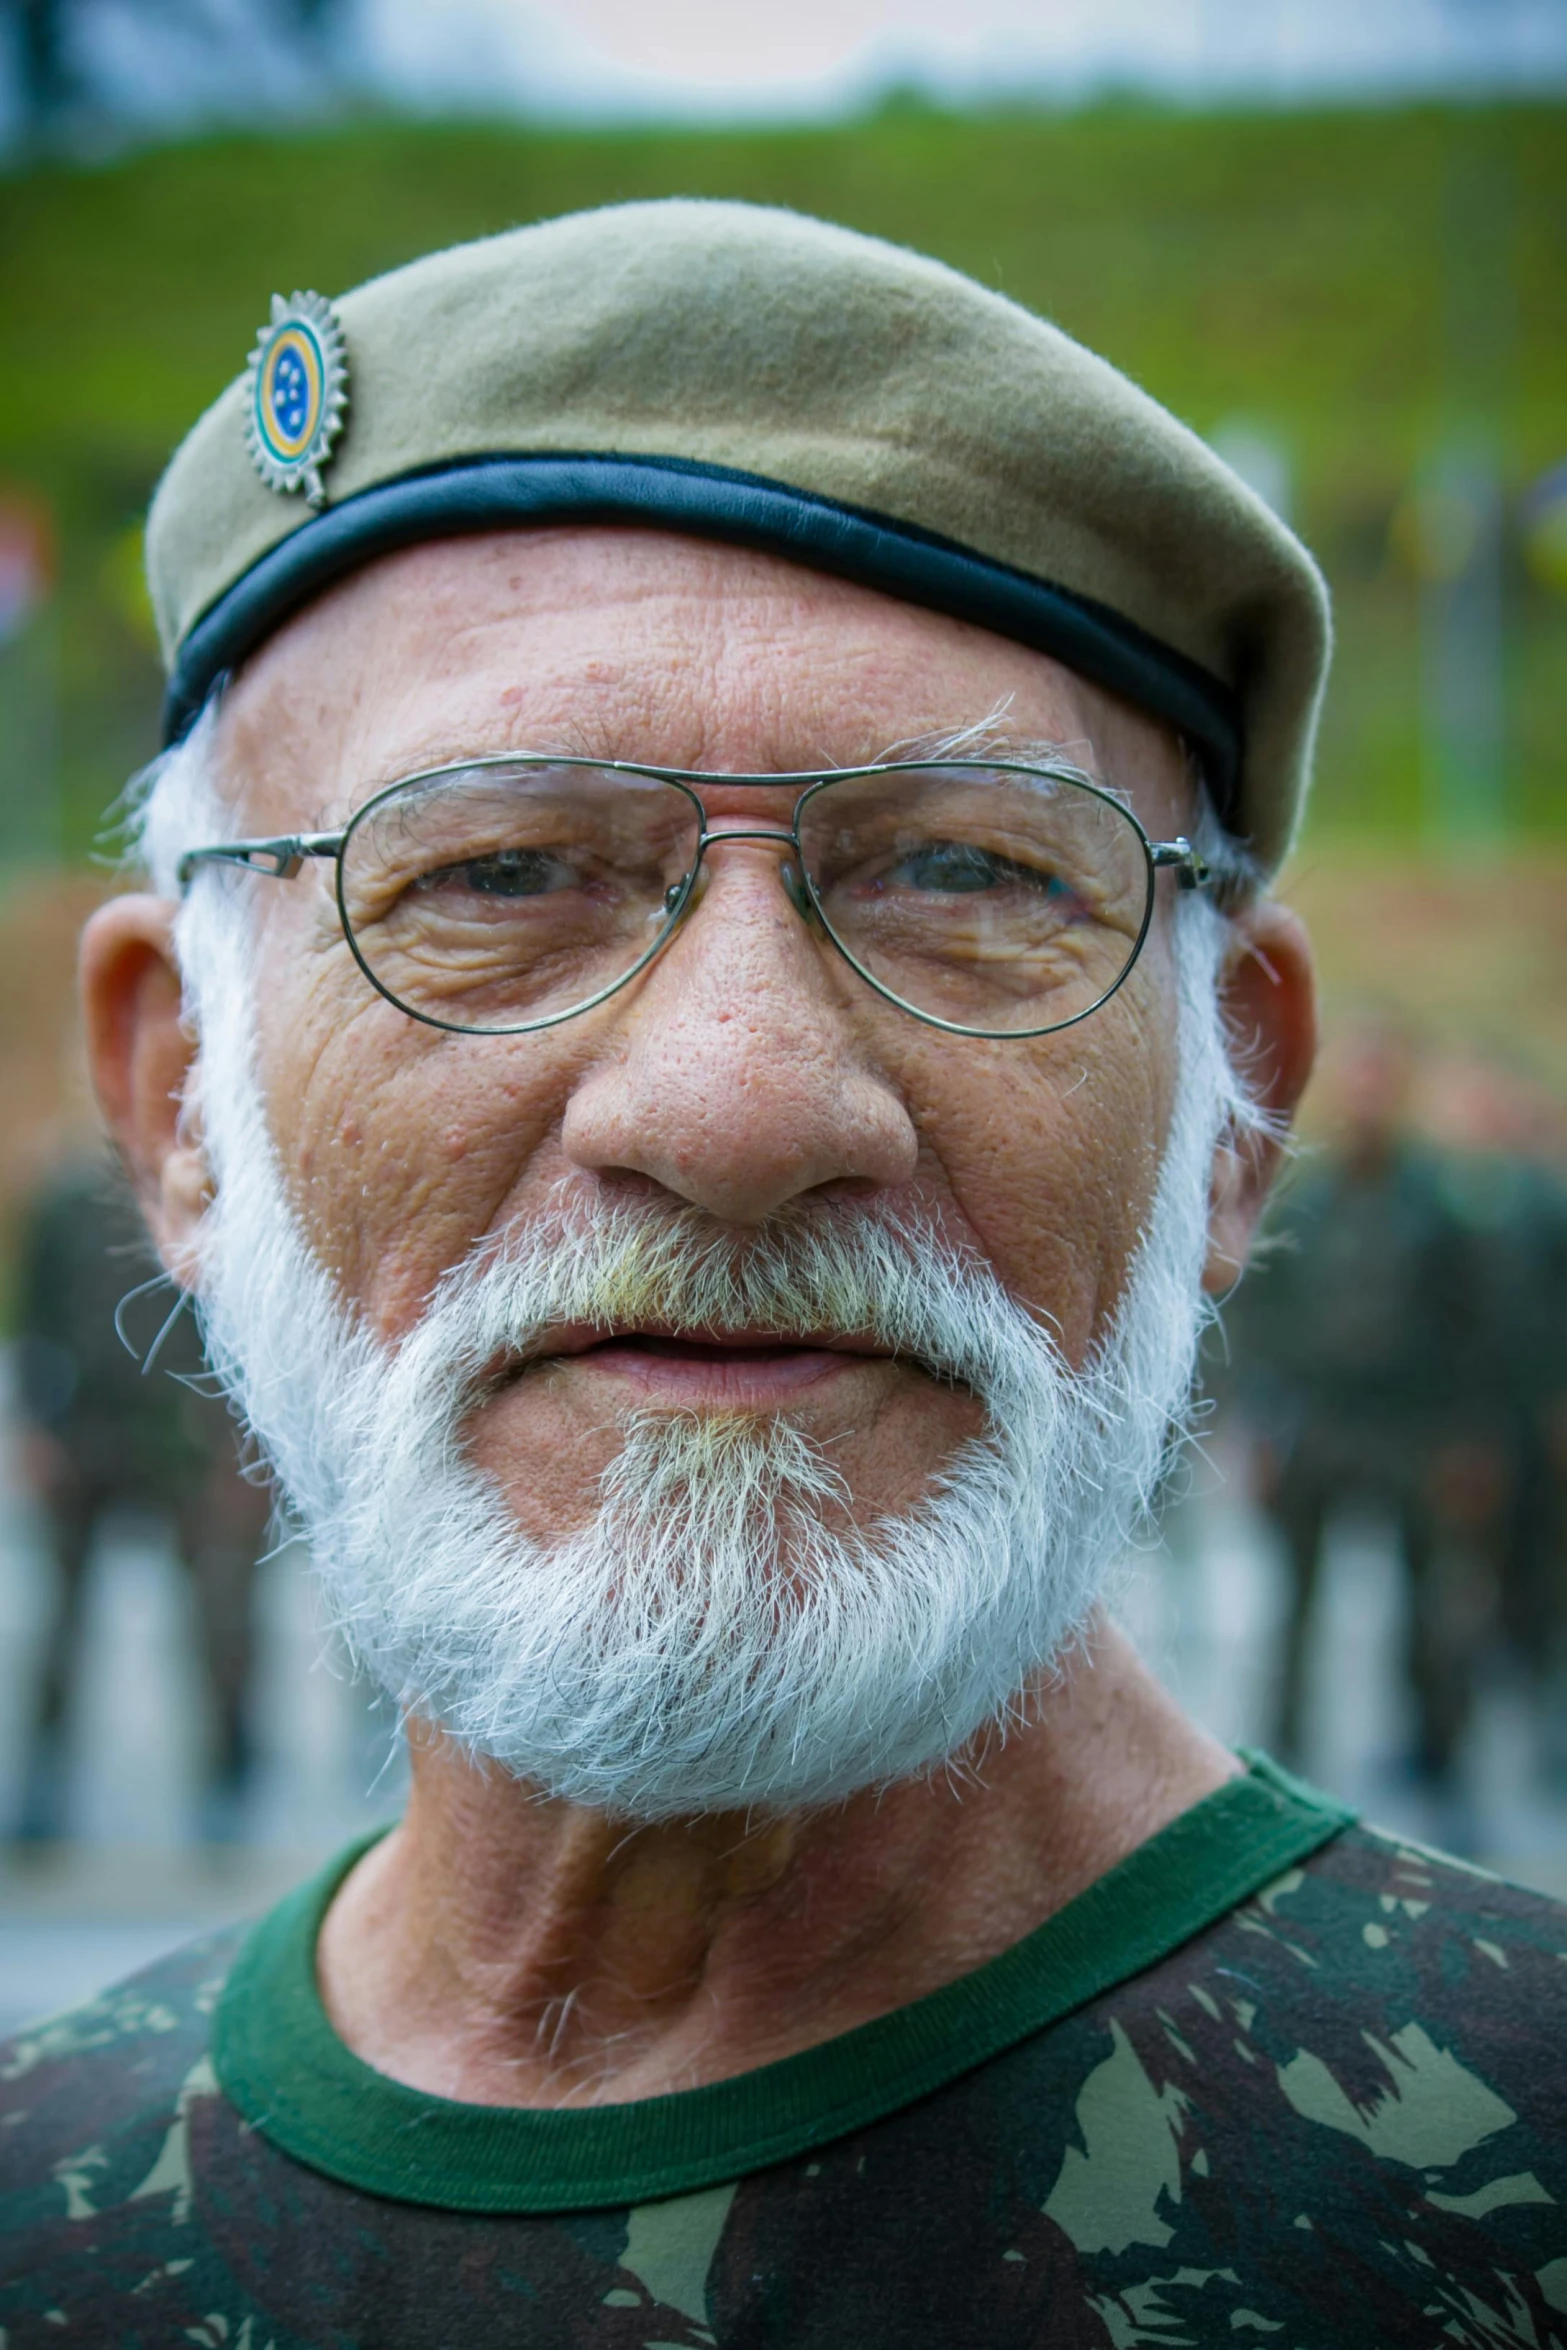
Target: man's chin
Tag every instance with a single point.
(547, 1441)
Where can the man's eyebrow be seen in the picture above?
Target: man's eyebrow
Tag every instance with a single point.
(446, 750)
(992, 737)
(987, 737)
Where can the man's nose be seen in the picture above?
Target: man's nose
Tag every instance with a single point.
(739, 1082)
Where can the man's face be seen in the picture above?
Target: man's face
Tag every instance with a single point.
(748, 1068)
(1376, 1072)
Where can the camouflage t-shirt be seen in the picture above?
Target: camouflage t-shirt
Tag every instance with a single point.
(1275, 2080)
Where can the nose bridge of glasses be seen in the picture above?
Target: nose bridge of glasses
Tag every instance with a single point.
(788, 873)
(778, 832)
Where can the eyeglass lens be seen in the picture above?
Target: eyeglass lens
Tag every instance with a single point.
(498, 898)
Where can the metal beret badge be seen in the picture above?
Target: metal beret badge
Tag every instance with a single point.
(298, 387)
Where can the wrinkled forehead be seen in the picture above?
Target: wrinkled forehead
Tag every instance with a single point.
(643, 644)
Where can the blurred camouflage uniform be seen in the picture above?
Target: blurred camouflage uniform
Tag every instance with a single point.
(1273, 2080)
(105, 1437)
(1363, 1356)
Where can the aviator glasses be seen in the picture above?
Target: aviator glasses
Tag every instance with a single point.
(499, 895)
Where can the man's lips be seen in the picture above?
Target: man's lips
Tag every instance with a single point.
(698, 1345)
(754, 1365)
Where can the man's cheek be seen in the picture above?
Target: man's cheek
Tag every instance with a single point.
(1056, 1191)
(351, 1168)
(396, 1187)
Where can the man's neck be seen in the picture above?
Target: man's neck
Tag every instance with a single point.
(509, 1951)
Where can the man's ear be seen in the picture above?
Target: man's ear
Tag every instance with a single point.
(141, 1053)
(1268, 999)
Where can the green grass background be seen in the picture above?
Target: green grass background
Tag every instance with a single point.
(1357, 281)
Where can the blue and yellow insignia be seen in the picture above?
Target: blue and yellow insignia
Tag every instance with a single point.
(298, 394)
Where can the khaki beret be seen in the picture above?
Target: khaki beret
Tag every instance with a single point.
(758, 377)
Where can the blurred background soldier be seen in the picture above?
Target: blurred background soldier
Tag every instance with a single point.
(1516, 1203)
(99, 1435)
(1363, 1359)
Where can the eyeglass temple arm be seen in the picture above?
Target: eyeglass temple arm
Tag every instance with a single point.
(279, 860)
(1190, 871)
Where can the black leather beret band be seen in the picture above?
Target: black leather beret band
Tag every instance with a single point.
(487, 493)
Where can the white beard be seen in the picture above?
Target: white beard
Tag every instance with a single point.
(723, 1633)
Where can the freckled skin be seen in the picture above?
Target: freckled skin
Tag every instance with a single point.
(747, 1067)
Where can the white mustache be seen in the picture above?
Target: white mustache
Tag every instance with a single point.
(818, 1270)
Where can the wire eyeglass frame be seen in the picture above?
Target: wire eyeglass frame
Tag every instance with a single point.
(281, 857)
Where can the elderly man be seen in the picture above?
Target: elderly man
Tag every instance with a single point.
(707, 1016)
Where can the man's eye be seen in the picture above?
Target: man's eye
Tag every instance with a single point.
(507, 873)
(951, 866)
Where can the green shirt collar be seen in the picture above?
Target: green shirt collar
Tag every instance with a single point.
(280, 2061)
